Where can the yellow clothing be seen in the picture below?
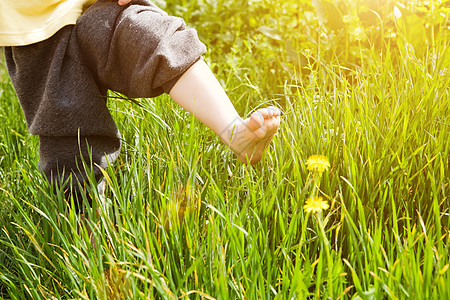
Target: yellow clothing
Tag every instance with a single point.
(24, 22)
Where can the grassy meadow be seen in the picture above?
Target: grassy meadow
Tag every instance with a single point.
(364, 83)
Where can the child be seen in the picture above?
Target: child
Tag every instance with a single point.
(63, 55)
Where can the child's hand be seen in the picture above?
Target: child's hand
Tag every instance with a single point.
(124, 2)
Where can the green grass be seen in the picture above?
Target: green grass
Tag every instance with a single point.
(384, 126)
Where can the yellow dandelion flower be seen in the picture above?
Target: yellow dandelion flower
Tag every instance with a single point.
(317, 163)
(315, 205)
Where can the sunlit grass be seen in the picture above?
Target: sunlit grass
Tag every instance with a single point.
(182, 218)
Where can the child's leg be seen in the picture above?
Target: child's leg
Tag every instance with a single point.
(66, 107)
(199, 92)
(165, 56)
